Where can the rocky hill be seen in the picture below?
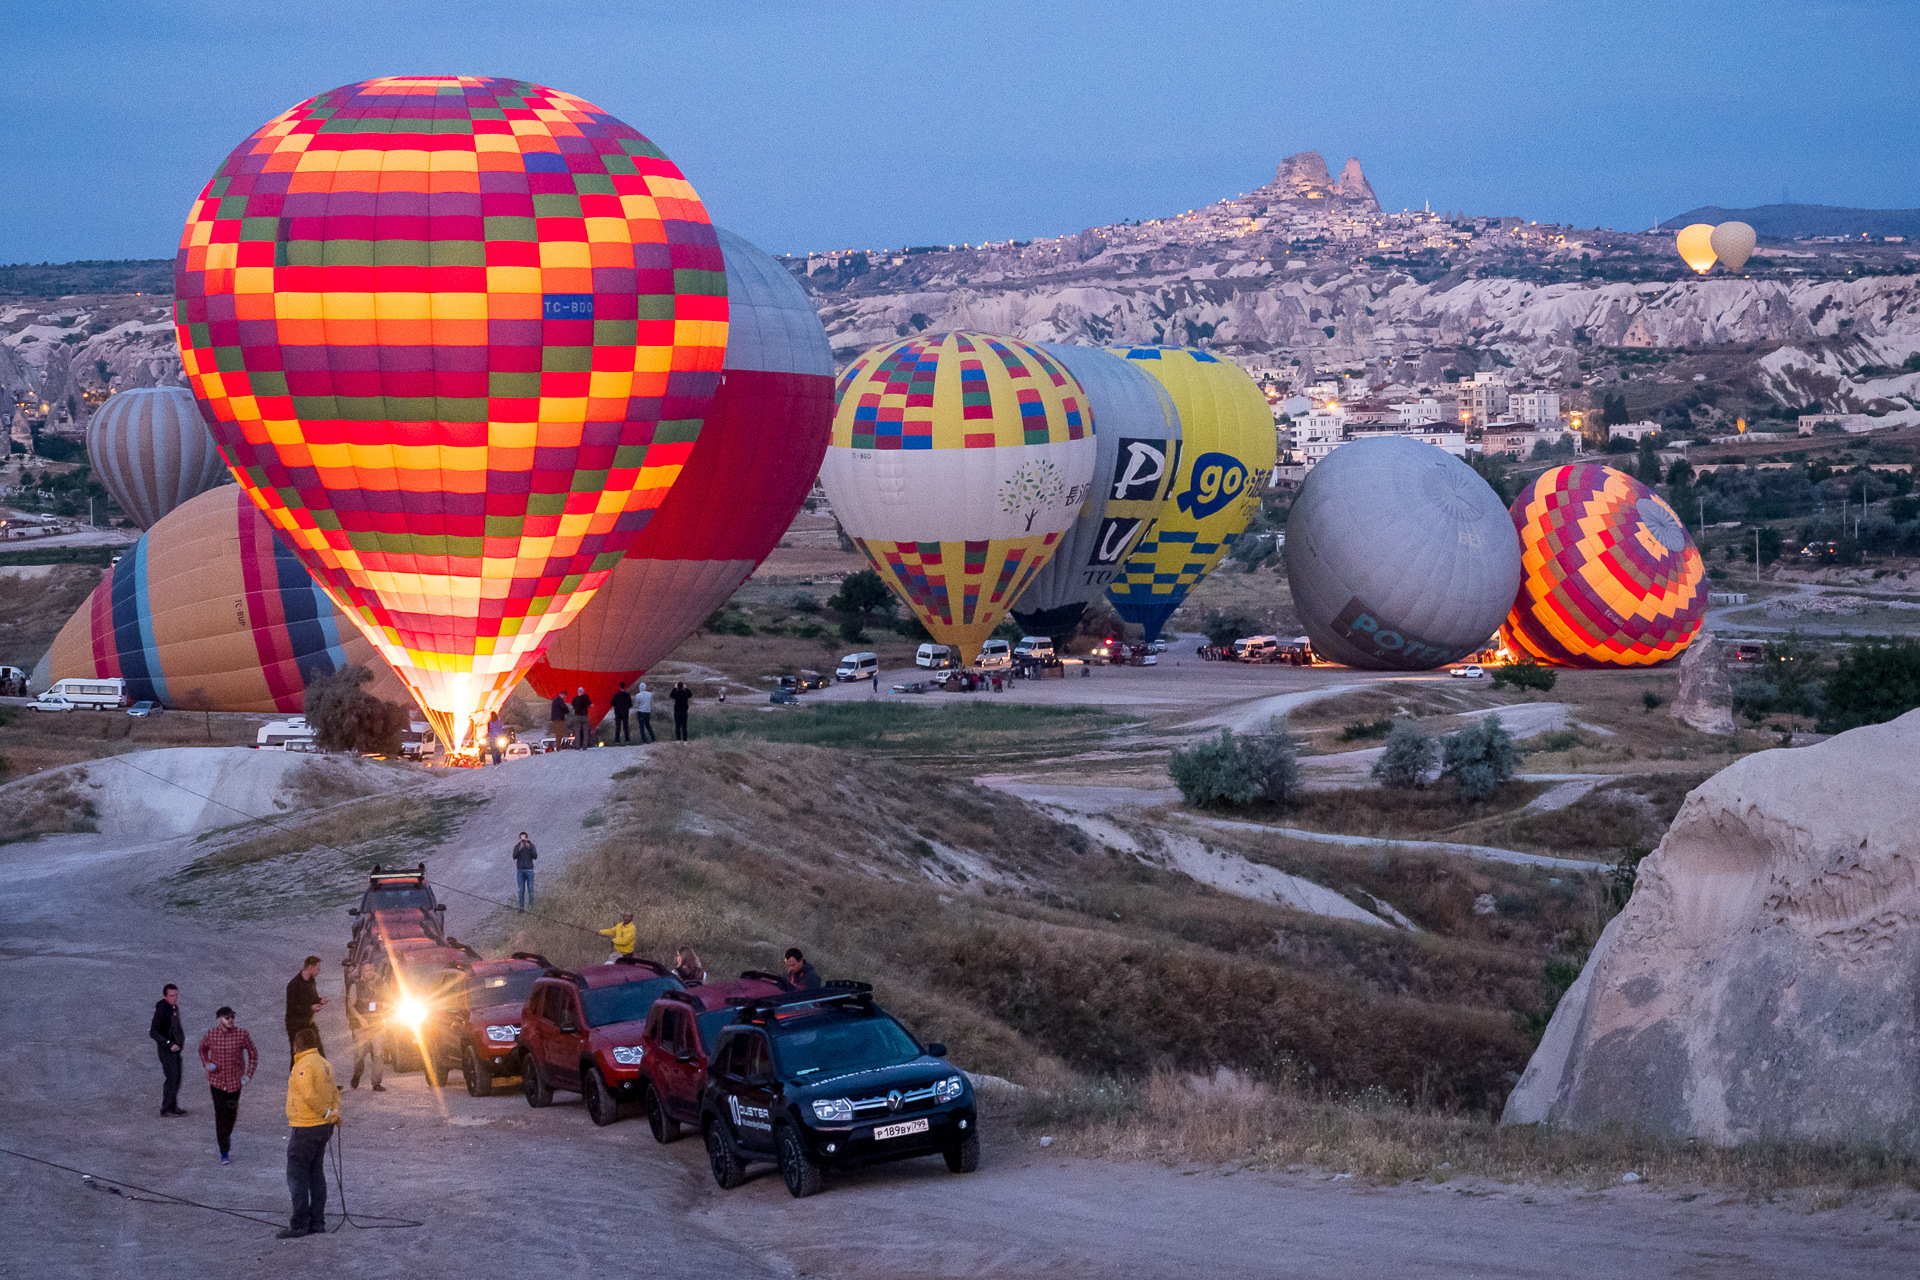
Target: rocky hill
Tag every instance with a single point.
(1804, 221)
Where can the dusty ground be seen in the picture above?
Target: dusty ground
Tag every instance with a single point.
(89, 940)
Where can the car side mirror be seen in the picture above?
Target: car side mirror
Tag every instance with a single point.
(353, 911)
(439, 906)
(937, 1049)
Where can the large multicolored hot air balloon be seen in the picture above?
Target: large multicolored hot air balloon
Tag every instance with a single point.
(957, 461)
(1732, 243)
(1401, 558)
(150, 449)
(741, 487)
(1695, 243)
(1136, 457)
(1611, 577)
(1228, 446)
(456, 336)
(209, 606)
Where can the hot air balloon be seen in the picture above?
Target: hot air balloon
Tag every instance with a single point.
(1227, 449)
(1611, 577)
(741, 487)
(210, 605)
(957, 462)
(1136, 457)
(1732, 243)
(1400, 556)
(152, 451)
(1696, 246)
(455, 336)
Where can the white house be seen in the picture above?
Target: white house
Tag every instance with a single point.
(1635, 431)
(1852, 423)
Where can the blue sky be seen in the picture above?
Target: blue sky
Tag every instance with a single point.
(810, 125)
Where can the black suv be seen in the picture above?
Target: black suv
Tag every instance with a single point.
(827, 1079)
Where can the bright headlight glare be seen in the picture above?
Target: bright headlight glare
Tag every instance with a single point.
(629, 1055)
(503, 1034)
(833, 1109)
(949, 1089)
(411, 1012)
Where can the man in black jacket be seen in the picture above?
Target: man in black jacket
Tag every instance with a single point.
(682, 698)
(582, 706)
(621, 702)
(303, 1001)
(557, 718)
(166, 1032)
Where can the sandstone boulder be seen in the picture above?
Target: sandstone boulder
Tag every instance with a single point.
(1705, 698)
(1764, 980)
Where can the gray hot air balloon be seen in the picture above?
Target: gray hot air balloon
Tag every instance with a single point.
(1137, 432)
(152, 451)
(1733, 244)
(1400, 556)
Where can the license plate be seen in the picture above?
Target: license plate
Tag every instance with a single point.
(881, 1131)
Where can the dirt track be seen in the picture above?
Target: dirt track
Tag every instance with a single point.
(87, 944)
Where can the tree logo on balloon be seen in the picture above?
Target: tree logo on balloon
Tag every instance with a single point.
(1030, 490)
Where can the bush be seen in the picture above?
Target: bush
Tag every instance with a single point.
(1213, 773)
(1480, 759)
(1409, 757)
(345, 717)
(1525, 675)
(1224, 628)
(724, 622)
(1360, 730)
(1651, 700)
(1274, 762)
(1875, 683)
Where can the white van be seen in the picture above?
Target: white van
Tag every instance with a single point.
(994, 654)
(285, 735)
(934, 656)
(857, 666)
(92, 691)
(418, 740)
(1256, 648)
(1034, 647)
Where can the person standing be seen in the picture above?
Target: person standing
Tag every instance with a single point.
(367, 1023)
(227, 1052)
(582, 705)
(643, 711)
(494, 734)
(168, 1035)
(523, 855)
(622, 703)
(876, 682)
(800, 974)
(313, 1109)
(557, 720)
(682, 698)
(303, 1001)
(622, 935)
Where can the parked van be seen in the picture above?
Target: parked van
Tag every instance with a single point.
(1034, 647)
(417, 740)
(934, 656)
(994, 654)
(1256, 649)
(285, 735)
(92, 691)
(857, 666)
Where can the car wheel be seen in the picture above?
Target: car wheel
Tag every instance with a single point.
(538, 1093)
(727, 1170)
(964, 1156)
(479, 1079)
(665, 1127)
(800, 1173)
(601, 1105)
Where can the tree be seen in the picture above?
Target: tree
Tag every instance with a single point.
(860, 597)
(1525, 675)
(1224, 628)
(345, 717)
(198, 699)
(1480, 759)
(1648, 468)
(1274, 761)
(1213, 773)
(1408, 757)
(1494, 472)
(1877, 682)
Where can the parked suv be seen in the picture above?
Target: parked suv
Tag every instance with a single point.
(580, 1031)
(418, 982)
(396, 905)
(683, 1029)
(473, 1022)
(827, 1079)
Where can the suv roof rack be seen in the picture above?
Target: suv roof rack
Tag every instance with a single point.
(761, 975)
(658, 968)
(839, 991)
(534, 956)
(684, 997)
(576, 979)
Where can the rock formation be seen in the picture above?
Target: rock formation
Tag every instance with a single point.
(1300, 176)
(1705, 698)
(1353, 184)
(1764, 981)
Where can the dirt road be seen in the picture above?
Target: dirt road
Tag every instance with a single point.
(501, 1188)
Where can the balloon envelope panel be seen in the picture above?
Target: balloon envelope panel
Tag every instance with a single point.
(210, 603)
(455, 336)
(1396, 557)
(1136, 456)
(1227, 450)
(743, 482)
(150, 449)
(957, 462)
(1611, 577)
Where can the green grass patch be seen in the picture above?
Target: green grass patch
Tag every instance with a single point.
(61, 555)
(892, 727)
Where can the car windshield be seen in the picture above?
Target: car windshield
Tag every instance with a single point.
(711, 1023)
(511, 987)
(624, 1001)
(835, 1045)
(394, 899)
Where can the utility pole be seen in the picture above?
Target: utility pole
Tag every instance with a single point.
(1756, 557)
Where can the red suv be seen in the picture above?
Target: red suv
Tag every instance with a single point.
(473, 1020)
(580, 1031)
(682, 1029)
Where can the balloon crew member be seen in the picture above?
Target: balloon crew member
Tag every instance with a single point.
(622, 703)
(228, 1054)
(643, 710)
(557, 719)
(494, 733)
(622, 935)
(313, 1109)
(303, 1001)
(523, 855)
(682, 698)
(168, 1036)
(800, 974)
(367, 1023)
(582, 706)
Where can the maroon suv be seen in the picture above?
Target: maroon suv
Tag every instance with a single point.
(580, 1031)
(682, 1029)
(473, 1022)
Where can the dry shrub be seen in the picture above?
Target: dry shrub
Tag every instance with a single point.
(52, 805)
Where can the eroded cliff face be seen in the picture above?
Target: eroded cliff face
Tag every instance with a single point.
(1764, 981)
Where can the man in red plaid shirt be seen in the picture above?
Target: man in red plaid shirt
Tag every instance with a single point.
(227, 1052)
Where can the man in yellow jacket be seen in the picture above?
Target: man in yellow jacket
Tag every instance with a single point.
(622, 935)
(313, 1109)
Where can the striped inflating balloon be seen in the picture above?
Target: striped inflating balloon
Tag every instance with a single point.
(152, 452)
(1609, 576)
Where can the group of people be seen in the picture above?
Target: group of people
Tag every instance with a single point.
(686, 961)
(575, 717)
(227, 1051)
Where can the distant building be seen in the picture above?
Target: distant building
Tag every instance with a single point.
(1542, 407)
(1315, 435)
(1518, 439)
(1852, 423)
(1639, 333)
(1414, 413)
(1482, 400)
(1635, 431)
(1451, 439)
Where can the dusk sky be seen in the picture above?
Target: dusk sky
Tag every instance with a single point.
(812, 126)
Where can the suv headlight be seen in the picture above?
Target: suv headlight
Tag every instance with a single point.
(831, 1109)
(949, 1089)
(629, 1055)
(503, 1035)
